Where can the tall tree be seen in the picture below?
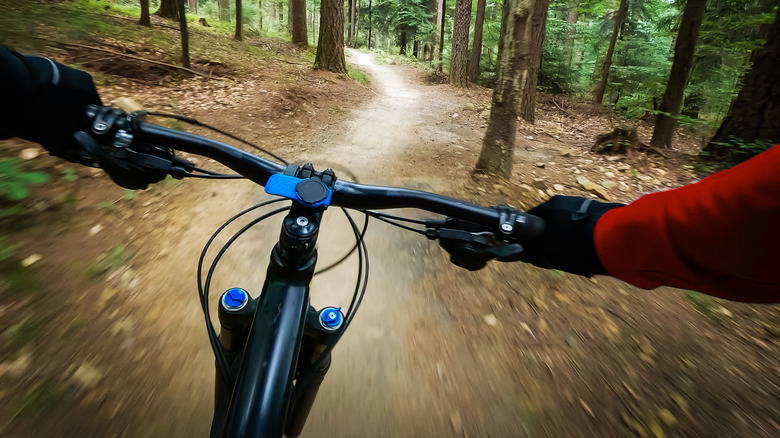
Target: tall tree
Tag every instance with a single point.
(460, 43)
(145, 20)
(536, 35)
(684, 50)
(224, 10)
(435, 48)
(193, 5)
(330, 47)
(185, 35)
(168, 9)
(239, 21)
(514, 58)
(298, 10)
(260, 14)
(571, 31)
(443, 15)
(755, 114)
(620, 18)
(352, 26)
(476, 47)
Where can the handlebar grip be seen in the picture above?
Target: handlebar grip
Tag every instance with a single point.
(528, 228)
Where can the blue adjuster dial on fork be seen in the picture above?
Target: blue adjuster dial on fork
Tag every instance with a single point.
(310, 192)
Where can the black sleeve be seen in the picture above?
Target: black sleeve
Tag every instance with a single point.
(42, 101)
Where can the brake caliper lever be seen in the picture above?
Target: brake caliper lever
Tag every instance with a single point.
(469, 247)
(110, 145)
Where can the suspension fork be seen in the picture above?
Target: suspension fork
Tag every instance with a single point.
(264, 353)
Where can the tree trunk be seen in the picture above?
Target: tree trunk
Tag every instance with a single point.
(402, 45)
(514, 58)
(619, 19)
(415, 48)
(239, 21)
(755, 114)
(185, 35)
(290, 17)
(299, 35)
(460, 43)
(145, 20)
(440, 49)
(193, 6)
(168, 9)
(330, 47)
(476, 47)
(259, 14)
(351, 41)
(536, 35)
(370, 24)
(571, 32)
(681, 68)
(224, 10)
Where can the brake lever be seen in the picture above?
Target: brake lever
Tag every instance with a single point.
(472, 250)
(129, 163)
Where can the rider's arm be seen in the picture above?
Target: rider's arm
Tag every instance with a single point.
(720, 235)
(42, 100)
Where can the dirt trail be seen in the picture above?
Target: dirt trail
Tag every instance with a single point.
(376, 386)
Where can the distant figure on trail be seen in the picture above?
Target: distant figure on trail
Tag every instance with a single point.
(720, 236)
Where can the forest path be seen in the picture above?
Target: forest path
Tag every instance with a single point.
(379, 384)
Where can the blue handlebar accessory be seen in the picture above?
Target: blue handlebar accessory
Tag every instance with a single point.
(310, 192)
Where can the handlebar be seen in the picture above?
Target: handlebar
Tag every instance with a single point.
(506, 223)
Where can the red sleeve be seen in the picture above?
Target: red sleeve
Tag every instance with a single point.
(720, 236)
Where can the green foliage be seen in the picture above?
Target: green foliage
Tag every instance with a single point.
(38, 402)
(358, 75)
(14, 182)
(14, 185)
(6, 249)
(110, 260)
(69, 174)
(736, 150)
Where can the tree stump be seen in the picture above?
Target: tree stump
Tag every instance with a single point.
(203, 22)
(619, 141)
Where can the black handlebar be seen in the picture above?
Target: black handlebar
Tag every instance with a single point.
(507, 224)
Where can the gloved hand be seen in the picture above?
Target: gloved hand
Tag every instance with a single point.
(43, 101)
(567, 243)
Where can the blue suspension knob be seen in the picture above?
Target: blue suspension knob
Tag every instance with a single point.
(234, 299)
(331, 318)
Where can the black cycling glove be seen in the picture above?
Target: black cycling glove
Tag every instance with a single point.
(567, 243)
(43, 101)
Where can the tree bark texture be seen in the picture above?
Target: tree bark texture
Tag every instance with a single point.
(684, 50)
(460, 43)
(476, 47)
(352, 38)
(239, 21)
(755, 113)
(193, 6)
(536, 35)
(514, 57)
(299, 35)
(185, 35)
(619, 19)
(168, 9)
(145, 20)
(330, 47)
(224, 10)
(441, 34)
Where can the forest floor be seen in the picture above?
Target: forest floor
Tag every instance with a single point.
(101, 333)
